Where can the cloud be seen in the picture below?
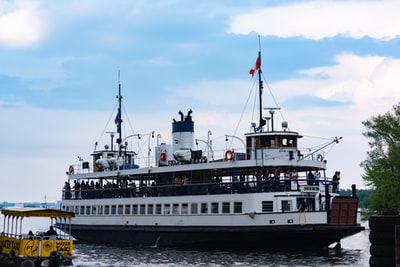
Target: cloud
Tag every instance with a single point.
(323, 19)
(22, 24)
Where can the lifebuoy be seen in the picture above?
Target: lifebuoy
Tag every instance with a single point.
(320, 157)
(229, 154)
(71, 169)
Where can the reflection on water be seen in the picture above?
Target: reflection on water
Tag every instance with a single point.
(354, 252)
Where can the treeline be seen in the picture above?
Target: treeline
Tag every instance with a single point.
(362, 194)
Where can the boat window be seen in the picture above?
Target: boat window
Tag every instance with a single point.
(267, 206)
(214, 207)
(150, 209)
(127, 209)
(287, 205)
(94, 210)
(134, 209)
(120, 209)
(142, 209)
(237, 207)
(194, 208)
(106, 210)
(226, 207)
(204, 208)
(113, 209)
(100, 210)
(175, 209)
(185, 209)
(82, 210)
(167, 209)
(77, 209)
(87, 210)
(158, 209)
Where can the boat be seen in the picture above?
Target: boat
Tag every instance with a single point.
(268, 193)
(51, 248)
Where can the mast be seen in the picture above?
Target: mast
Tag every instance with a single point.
(260, 89)
(118, 119)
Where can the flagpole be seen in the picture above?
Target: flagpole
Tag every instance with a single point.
(260, 88)
(119, 116)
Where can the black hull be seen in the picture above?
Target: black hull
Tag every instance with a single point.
(310, 236)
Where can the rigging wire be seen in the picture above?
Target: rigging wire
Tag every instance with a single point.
(243, 110)
(108, 121)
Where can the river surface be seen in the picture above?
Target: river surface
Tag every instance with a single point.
(354, 252)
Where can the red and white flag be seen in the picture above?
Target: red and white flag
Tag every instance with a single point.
(255, 67)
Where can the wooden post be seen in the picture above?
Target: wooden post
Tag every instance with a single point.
(397, 244)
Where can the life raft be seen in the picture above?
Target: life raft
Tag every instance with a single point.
(229, 155)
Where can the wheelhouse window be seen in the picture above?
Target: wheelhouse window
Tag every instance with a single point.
(214, 207)
(267, 206)
(175, 209)
(82, 210)
(150, 209)
(135, 209)
(226, 207)
(204, 208)
(94, 210)
(158, 209)
(142, 209)
(286, 205)
(237, 207)
(185, 209)
(127, 209)
(167, 209)
(194, 208)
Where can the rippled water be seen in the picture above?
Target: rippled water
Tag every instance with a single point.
(354, 252)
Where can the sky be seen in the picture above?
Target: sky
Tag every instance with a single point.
(328, 66)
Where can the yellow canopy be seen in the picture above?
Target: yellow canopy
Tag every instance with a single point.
(37, 212)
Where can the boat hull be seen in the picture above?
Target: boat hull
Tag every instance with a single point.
(310, 236)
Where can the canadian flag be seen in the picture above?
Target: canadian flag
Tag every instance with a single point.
(255, 67)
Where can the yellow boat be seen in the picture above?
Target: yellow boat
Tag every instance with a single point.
(44, 249)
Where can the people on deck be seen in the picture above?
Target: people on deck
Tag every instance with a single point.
(310, 178)
(335, 182)
(51, 232)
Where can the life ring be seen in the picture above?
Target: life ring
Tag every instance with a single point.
(229, 154)
(320, 157)
(71, 169)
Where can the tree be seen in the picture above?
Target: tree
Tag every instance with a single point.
(382, 166)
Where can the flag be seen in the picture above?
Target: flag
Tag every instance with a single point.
(117, 122)
(255, 67)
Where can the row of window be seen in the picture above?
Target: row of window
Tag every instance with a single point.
(158, 209)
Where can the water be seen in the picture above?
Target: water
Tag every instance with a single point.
(354, 252)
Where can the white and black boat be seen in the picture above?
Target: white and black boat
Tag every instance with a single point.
(263, 196)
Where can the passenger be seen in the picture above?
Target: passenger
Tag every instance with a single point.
(286, 180)
(27, 263)
(310, 178)
(294, 177)
(335, 182)
(77, 188)
(276, 180)
(317, 176)
(51, 232)
(30, 234)
(67, 190)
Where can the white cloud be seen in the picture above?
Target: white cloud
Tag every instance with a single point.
(22, 24)
(323, 19)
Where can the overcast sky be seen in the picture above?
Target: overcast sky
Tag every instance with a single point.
(328, 64)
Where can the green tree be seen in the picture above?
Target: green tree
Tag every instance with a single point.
(382, 166)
